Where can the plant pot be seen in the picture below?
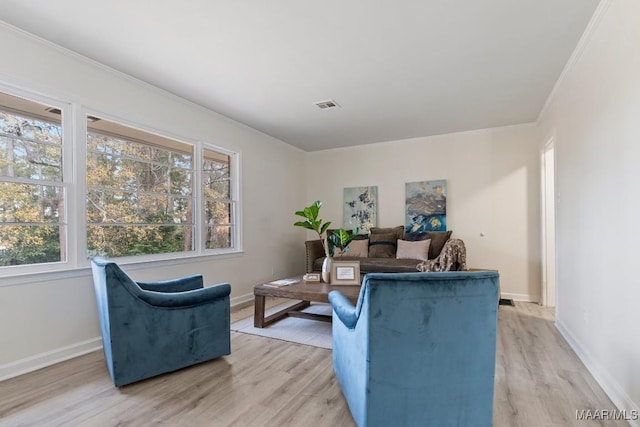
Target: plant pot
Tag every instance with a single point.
(326, 269)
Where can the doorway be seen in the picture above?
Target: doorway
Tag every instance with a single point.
(548, 224)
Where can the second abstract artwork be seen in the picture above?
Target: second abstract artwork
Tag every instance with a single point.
(426, 206)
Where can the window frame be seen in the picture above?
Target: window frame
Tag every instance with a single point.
(74, 183)
(234, 198)
(66, 123)
(192, 148)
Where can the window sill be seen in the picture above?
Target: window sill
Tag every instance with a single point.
(131, 264)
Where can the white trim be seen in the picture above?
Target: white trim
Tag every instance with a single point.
(548, 223)
(424, 138)
(577, 53)
(616, 393)
(520, 297)
(72, 209)
(66, 109)
(234, 200)
(42, 360)
(140, 83)
(43, 277)
(242, 299)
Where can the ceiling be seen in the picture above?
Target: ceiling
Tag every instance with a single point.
(398, 69)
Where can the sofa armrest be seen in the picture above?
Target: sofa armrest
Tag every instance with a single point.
(453, 257)
(314, 250)
(176, 300)
(346, 312)
(176, 285)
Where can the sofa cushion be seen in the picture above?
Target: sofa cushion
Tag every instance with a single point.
(357, 248)
(438, 239)
(398, 231)
(382, 245)
(413, 250)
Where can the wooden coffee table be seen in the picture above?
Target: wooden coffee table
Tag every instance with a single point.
(307, 292)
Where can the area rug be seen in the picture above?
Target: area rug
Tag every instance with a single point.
(292, 329)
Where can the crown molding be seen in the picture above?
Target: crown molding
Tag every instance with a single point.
(141, 83)
(597, 17)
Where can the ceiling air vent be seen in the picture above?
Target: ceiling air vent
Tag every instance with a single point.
(323, 105)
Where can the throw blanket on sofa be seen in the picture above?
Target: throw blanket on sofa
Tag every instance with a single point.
(453, 257)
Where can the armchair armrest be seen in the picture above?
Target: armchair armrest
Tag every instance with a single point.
(186, 299)
(314, 250)
(343, 308)
(175, 285)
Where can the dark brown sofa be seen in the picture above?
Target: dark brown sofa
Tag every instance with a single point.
(387, 264)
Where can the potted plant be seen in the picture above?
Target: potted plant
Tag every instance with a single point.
(339, 239)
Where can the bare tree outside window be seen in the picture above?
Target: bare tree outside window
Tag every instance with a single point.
(141, 196)
(218, 200)
(139, 192)
(32, 193)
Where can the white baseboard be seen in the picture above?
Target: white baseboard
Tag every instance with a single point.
(242, 299)
(610, 386)
(49, 358)
(520, 297)
(42, 360)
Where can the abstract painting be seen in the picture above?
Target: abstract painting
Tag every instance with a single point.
(360, 208)
(426, 206)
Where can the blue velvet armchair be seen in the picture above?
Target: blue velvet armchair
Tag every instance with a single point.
(153, 328)
(418, 349)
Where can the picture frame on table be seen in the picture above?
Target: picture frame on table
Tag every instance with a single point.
(345, 273)
(311, 277)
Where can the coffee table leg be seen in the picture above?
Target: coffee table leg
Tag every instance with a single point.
(289, 311)
(258, 314)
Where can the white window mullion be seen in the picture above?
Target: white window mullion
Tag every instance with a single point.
(72, 159)
(198, 202)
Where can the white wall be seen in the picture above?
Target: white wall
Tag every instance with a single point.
(595, 115)
(493, 187)
(49, 317)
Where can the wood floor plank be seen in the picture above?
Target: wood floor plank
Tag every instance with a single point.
(267, 382)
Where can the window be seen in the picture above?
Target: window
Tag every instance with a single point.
(32, 184)
(220, 206)
(115, 190)
(140, 194)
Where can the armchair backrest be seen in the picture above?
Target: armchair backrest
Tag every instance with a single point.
(149, 328)
(428, 342)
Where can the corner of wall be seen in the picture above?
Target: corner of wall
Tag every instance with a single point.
(620, 399)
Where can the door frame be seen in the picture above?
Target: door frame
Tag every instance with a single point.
(548, 223)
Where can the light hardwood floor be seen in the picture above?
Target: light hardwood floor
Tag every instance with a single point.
(266, 382)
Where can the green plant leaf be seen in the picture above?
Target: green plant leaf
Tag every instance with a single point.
(303, 224)
(310, 213)
(325, 227)
(314, 211)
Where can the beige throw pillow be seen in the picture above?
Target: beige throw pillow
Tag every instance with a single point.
(413, 250)
(357, 248)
